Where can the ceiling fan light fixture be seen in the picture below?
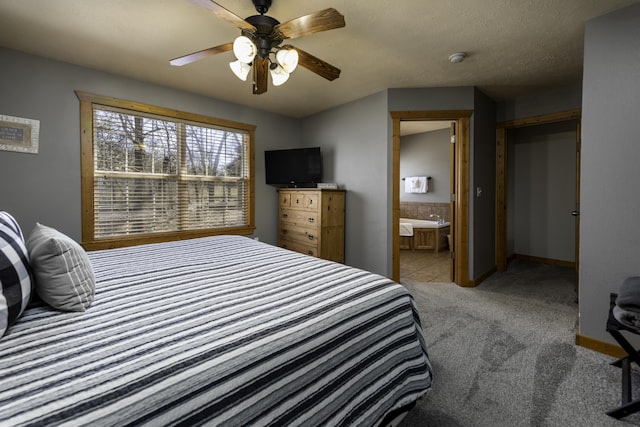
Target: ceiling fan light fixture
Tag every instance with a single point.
(288, 59)
(278, 75)
(240, 69)
(258, 47)
(244, 49)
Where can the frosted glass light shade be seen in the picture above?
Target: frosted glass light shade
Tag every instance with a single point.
(244, 49)
(240, 69)
(288, 59)
(279, 76)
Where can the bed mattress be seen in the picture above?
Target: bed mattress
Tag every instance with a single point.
(217, 331)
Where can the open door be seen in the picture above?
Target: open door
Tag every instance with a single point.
(576, 211)
(452, 201)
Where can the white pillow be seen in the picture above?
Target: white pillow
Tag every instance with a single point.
(62, 271)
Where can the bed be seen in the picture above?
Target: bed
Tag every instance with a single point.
(423, 234)
(222, 330)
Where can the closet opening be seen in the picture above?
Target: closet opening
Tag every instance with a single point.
(534, 159)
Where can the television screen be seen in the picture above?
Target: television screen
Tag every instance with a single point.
(293, 167)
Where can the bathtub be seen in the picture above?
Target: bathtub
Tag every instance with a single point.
(421, 234)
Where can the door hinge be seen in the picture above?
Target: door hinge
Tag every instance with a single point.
(453, 197)
(453, 139)
(453, 255)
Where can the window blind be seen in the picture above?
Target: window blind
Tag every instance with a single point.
(154, 174)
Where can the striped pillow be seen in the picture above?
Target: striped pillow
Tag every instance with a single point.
(15, 272)
(62, 271)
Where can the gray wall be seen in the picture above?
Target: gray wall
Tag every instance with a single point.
(609, 232)
(45, 187)
(542, 172)
(482, 186)
(353, 139)
(426, 154)
(562, 98)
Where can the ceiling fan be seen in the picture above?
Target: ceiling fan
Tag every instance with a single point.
(261, 37)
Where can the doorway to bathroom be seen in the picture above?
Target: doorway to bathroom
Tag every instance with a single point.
(425, 193)
(459, 189)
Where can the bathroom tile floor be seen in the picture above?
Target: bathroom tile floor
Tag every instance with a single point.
(424, 266)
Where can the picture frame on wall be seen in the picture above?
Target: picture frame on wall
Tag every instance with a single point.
(19, 134)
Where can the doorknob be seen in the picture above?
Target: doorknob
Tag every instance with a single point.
(575, 213)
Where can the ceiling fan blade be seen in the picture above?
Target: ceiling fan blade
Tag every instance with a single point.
(316, 65)
(322, 20)
(196, 56)
(260, 72)
(223, 13)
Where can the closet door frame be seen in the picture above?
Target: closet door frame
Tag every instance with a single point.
(502, 129)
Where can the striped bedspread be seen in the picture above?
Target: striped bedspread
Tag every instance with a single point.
(221, 331)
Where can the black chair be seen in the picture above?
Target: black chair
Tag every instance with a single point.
(628, 404)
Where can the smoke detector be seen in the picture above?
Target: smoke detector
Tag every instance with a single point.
(457, 57)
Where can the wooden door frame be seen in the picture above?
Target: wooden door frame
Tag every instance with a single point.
(461, 215)
(501, 172)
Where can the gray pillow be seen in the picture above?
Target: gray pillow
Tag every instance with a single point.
(62, 271)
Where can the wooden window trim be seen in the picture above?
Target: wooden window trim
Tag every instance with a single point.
(87, 102)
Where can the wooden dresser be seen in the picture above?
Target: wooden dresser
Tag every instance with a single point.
(311, 221)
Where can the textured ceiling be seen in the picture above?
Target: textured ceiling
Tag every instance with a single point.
(514, 47)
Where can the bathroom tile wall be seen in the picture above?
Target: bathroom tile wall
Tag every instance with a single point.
(423, 210)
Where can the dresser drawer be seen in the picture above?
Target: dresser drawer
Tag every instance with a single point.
(298, 217)
(309, 200)
(285, 199)
(307, 236)
(299, 247)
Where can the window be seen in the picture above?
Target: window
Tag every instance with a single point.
(152, 174)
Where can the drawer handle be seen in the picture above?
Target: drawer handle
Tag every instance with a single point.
(309, 252)
(284, 231)
(284, 215)
(310, 236)
(311, 219)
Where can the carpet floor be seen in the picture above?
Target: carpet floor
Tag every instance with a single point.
(503, 354)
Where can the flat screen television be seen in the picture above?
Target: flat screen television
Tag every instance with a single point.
(296, 167)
